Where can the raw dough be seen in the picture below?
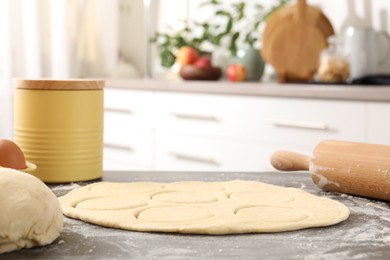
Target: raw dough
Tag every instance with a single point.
(30, 214)
(201, 207)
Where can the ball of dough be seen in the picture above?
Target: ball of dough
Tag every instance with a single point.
(30, 214)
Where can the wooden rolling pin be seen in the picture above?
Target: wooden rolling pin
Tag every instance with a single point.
(354, 168)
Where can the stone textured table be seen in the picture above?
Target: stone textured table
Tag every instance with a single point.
(365, 235)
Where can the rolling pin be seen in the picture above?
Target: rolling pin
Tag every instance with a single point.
(360, 169)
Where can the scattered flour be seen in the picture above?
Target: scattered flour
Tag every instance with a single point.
(365, 235)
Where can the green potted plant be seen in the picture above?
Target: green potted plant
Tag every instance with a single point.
(230, 28)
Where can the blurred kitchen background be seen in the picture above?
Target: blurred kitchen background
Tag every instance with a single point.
(109, 38)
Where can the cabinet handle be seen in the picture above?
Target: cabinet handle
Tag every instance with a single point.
(195, 117)
(300, 124)
(186, 157)
(118, 147)
(119, 110)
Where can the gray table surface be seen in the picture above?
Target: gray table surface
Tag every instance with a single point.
(365, 235)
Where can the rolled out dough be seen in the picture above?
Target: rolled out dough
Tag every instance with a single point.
(30, 214)
(215, 208)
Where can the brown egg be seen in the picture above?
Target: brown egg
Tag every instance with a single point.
(11, 156)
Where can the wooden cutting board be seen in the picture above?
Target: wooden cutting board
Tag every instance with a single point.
(292, 41)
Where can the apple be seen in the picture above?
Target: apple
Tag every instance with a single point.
(186, 55)
(236, 72)
(203, 62)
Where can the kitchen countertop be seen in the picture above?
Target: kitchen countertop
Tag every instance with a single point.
(365, 235)
(312, 91)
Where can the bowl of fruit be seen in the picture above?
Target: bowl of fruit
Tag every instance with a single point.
(196, 67)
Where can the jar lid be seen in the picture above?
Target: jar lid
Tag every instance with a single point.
(54, 84)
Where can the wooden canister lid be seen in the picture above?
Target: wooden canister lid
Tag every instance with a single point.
(54, 84)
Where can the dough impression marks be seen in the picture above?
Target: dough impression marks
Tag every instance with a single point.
(214, 208)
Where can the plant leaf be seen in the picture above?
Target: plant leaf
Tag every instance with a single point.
(240, 10)
(211, 2)
(233, 44)
(167, 58)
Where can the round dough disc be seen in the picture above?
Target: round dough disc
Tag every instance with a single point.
(33, 214)
(216, 208)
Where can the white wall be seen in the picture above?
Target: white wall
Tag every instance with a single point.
(50, 39)
(5, 71)
(373, 13)
(132, 36)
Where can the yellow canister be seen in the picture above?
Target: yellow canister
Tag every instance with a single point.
(58, 124)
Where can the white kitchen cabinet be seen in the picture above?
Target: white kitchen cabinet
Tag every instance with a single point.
(221, 132)
(128, 130)
(209, 115)
(277, 120)
(191, 152)
(120, 160)
(307, 121)
(134, 105)
(128, 148)
(379, 123)
(183, 131)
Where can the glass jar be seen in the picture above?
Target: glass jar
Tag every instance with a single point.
(334, 65)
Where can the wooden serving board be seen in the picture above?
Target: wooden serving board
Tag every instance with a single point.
(292, 41)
